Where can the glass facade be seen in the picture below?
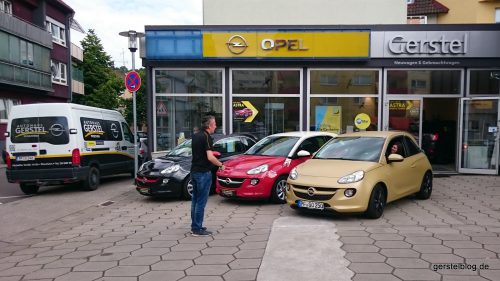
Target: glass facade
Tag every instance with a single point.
(424, 82)
(484, 82)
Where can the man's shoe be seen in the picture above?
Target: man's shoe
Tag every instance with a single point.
(201, 232)
(203, 228)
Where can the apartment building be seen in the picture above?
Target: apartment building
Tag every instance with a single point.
(453, 11)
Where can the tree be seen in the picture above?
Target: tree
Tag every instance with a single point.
(102, 87)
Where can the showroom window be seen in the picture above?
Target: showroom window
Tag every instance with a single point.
(484, 82)
(182, 98)
(424, 82)
(265, 101)
(350, 104)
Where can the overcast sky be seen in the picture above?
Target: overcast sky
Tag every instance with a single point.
(109, 17)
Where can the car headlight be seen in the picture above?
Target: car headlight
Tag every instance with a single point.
(354, 177)
(171, 169)
(142, 166)
(293, 174)
(258, 170)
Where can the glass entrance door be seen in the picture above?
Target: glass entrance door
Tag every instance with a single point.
(404, 114)
(479, 135)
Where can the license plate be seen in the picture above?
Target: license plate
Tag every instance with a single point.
(144, 190)
(227, 192)
(311, 205)
(25, 158)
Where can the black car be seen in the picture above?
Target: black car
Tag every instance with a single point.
(169, 175)
(438, 141)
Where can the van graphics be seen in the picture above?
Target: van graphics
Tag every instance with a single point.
(53, 130)
(64, 161)
(32, 162)
(100, 130)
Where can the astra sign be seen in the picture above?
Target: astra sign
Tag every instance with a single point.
(441, 45)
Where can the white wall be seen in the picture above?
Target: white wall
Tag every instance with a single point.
(303, 12)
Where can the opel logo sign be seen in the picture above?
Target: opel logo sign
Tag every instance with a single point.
(114, 130)
(237, 44)
(311, 191)
(56, 130)
(228, 181)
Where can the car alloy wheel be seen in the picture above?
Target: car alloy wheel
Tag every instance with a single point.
(187, 192)
(426, 187)
(377, 202)
(279, 189)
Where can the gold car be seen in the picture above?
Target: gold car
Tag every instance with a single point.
(361, 172)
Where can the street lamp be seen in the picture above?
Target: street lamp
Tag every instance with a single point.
(132, 46)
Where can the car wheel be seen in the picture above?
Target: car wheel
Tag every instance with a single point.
(426, 187)
(377, 203)
(29, 188)
(92, 180)
(187, 188)
(279, 189)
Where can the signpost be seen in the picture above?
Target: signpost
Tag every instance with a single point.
(133, 83)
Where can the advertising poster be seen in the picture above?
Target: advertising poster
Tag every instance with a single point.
(329, 118)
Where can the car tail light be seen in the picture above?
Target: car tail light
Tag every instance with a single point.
(141, 151)
(75, 157)
(7, 159)
(435, 137)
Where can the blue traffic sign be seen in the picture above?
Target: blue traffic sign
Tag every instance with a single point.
(132, 81)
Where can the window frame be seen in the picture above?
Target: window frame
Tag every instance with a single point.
(59, 38)
(6, 7)
(59, 77)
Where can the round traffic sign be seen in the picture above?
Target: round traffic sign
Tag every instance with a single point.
(132, 81)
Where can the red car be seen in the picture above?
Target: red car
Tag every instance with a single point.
(262, 171)
(243, 113)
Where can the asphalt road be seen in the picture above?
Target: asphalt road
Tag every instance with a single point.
(9, 191)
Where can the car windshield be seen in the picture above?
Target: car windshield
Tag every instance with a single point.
(352, 148)
(183, 149)
(273, 146)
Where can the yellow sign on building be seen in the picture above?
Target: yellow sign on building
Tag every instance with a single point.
(326, 44)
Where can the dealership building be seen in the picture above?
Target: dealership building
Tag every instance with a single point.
(439, 82)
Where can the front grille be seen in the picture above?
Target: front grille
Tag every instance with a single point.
(321, 193)
(230, 182)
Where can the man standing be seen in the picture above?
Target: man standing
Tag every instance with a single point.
(201, 175)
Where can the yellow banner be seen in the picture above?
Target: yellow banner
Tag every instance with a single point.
(327, 44)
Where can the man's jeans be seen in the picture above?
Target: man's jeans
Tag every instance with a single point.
(202, 181)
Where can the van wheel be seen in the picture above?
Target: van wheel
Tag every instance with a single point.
(29, 188)
(279, 189)
(187, 189)
(377, 203)
(92, 180)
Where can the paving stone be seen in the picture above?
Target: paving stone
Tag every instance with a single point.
(370, 267)
(220, 250)
(463, 278)
(199, 269)
(187, 255)
(389, 236)
(490, 274)
(160, 244)
(107, 240)
(392, 244)
(365, 257)
(195, 240)
(4, 266)
(202, 278)
(162, 275)
(240, 274)
(96, 266)
(65, 263)
(127, 270)
(228, 243)
(400, 253)
(249, 254)
(188, 247)
(416, 274)
(71, 245)
(356, 240)
(95, 246)
(423, 240)
(11, 278)
(462, 244)
(375, 277)
(353, 248)
(172, 265)
(79, 276)
(474, 253)
(245, 263)
(151, 252)
(232, 236)
(407, 263)
(109, 257)
(32, 251)
(442, 258)
(432, 249)
(16, 258)
(140, 260)
(214, 259)
(253, 245)
(40, 260)
(19, 270)
(122, 249)
(81, 254)
(347, 233)
(256, 238)
(47, 273)
(59, 252)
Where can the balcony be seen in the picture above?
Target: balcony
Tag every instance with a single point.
(13, 25)
(76, 52)
(24, 77)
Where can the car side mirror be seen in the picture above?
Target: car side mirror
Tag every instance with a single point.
(395, 158)
(216, 154)
(303, 153)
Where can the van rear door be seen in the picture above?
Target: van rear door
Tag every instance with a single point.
(39, 142)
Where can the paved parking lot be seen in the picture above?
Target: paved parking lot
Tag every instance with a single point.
(452, 236)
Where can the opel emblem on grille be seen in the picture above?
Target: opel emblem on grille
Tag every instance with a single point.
(311, 191)
(228, 181)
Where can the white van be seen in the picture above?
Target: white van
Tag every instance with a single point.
(54, 143)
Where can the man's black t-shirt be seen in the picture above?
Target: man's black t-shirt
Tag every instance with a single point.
(201, 142)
